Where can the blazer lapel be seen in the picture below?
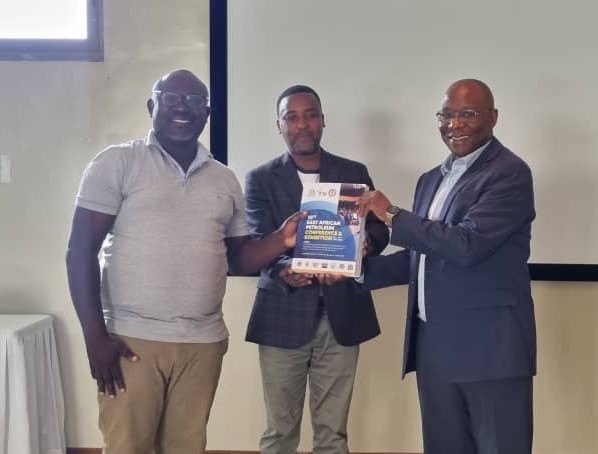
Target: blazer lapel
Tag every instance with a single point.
(423, 202)
(287, 181)
(487, 155)
(329, 173)
(421, 207)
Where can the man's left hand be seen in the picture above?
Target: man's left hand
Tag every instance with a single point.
(374, 201)
(288, 229)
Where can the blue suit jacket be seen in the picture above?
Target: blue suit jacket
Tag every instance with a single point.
(478, 300)
(284, 316)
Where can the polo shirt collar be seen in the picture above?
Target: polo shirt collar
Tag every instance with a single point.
(202, 156)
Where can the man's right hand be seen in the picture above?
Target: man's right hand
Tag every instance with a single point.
(295, 279)
(104, 352)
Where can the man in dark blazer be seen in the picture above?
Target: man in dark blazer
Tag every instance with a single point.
(470, 333)
(306, 325)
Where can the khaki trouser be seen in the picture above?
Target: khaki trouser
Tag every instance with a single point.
(328, 368)
(169, 394)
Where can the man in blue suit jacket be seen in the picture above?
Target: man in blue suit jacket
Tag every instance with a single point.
(470, 333)
(305, 325)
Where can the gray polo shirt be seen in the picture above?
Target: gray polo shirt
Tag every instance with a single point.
(164, 263)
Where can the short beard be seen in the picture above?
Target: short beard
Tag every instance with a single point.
(310, 152)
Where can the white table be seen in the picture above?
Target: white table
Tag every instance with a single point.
(31, 401)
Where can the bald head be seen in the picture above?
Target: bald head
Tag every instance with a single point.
(183, 75)
(179, 107)
(467, 117)
(473, 85)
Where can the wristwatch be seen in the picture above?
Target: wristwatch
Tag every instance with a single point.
(391, 212)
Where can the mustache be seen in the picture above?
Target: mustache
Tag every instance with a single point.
(304, 134)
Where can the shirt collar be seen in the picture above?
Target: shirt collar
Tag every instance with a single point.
(202, 156)
(467, 160)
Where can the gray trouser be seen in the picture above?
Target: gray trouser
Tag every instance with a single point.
(331, 371)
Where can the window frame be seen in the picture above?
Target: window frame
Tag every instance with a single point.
(90, 49)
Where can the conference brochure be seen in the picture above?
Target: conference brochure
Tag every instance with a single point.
(330, 238)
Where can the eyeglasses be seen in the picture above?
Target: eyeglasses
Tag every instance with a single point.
(466, 115)
(294, 118)
(193, 101)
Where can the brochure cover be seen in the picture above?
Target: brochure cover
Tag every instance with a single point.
(330, 238)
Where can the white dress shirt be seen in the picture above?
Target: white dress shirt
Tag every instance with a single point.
(452, 170)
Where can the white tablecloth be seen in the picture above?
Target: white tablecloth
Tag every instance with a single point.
(31, 401)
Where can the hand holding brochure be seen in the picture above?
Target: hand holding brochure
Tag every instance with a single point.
(330, 238)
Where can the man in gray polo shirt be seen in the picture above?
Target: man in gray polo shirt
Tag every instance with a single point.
(169, 221)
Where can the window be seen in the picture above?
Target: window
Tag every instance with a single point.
(51, 30)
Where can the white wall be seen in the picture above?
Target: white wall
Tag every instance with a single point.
(381, 68)
(56, 116)
(385, 415)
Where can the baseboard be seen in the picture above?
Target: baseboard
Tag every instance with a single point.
(83, 450)
(99, 451)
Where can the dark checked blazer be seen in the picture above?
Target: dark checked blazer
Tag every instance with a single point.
(479, 308)
(285, 316)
